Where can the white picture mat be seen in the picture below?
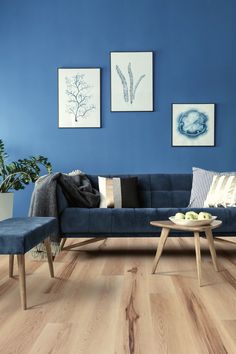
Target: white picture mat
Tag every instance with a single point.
(92, 77)
(207, 139)
(142, 63)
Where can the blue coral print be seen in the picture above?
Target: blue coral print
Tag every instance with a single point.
(192, 123)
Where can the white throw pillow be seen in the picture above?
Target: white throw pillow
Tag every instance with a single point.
(105, 189)
(202, 180)
(222, 192)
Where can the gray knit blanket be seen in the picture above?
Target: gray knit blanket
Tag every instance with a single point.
(78, 191)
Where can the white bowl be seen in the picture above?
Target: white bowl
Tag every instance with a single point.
(185, 222)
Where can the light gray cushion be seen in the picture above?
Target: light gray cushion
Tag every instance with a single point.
(202, 180)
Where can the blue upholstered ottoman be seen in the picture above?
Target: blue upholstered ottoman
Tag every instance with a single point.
(18, 236)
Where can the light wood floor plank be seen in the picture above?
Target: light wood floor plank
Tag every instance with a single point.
(105, 300)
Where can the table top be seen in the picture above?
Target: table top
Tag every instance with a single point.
(170, 225)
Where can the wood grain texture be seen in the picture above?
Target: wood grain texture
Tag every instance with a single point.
(167, 226)
(47, 244)
(22, 281)
(210, 240)
(198, 256)
(170, 225)
(11, 265)
(105, 300)
(161, 244)
(81, 243)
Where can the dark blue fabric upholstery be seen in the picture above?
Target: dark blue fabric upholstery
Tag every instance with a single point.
(19, 235)
(131, 221)
(160, 190)
(161, 196)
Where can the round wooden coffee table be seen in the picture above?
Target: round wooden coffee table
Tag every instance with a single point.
(167, 225)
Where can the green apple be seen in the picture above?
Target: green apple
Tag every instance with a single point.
(195, 215)
(179, 216)
(191, 215)
(204, 216)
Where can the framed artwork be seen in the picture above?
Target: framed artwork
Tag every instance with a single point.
(131, 81)
(193, 124)
(79, 102)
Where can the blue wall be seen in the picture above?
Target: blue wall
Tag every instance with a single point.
(195, 55)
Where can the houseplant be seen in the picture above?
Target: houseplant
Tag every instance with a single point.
(16, 175)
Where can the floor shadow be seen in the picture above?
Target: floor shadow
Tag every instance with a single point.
(133, 252)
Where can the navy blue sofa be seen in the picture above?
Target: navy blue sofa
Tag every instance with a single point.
(161, 196)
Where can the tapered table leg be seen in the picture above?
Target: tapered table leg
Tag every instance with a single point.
(161, 244)
(210, 240)
(198, 256)
(49, 256)
(21, 266)
(11, 265)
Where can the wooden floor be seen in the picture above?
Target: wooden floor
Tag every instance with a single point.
(104, 300)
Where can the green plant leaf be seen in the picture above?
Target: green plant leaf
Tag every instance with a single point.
(17, 174)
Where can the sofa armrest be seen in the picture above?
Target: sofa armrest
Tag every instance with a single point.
(61, 200)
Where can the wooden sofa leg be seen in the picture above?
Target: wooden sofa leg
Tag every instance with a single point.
(47, 244)
(21, 266)
(224, 240)
(63, 241)
(11, 265)
(83, 243)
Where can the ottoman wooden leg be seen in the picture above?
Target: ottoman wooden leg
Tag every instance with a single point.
(161, 244)
(21, 266)
(49, 255)
(212, 248)
(11, 265)
(198, 256)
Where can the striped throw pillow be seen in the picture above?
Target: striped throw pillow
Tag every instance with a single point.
(118, 192)
(202, 180)
(222, 192)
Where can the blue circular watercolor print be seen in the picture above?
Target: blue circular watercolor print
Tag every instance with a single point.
(192, 123)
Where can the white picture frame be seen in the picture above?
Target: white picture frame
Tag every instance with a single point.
(79, 97)
(131, 81)
(193, 124)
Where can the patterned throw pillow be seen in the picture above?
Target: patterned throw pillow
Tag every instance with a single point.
(222, 192)
(202, 180)
(118, 192)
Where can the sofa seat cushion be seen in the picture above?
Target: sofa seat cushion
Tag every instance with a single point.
(131, 221)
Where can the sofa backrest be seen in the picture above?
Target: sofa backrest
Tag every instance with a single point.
(159, 190)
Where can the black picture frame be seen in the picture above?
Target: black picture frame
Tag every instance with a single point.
(213, 125)
(152, 83)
